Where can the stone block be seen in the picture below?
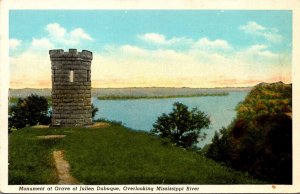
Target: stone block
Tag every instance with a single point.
(76, 63)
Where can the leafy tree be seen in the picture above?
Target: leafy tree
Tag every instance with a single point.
(219, 150)
(181, 126)
(29, 111)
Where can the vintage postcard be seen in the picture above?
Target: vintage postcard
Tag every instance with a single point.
(135, 96)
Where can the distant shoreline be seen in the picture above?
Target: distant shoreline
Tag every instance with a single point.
(15, 99)
(157, 97)
(136, 92)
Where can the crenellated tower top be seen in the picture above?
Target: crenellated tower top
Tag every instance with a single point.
(59, 54)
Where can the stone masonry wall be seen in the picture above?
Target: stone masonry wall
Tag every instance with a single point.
(71, 87)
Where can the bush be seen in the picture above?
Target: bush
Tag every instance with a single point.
(29, 111)
(94, 111)
(182, 127)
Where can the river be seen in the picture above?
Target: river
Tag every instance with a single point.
(140, 114)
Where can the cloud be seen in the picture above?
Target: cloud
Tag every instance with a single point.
(185, 43)
(161, 40)
(255, 29)
(205, 43)
(14, 43)
(132, 50)
(79, 33)
(60, 35)
(153, 38)
(252, 27)
(272, 37)
(260, 50)
(202, 63)
(41, 44)
(133, 66)
(30, 69)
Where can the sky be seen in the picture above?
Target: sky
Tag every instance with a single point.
(155, 48)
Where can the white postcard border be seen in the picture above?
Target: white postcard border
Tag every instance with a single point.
(293, 5)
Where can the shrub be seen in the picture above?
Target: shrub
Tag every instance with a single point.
(29, 111)
(94, 111)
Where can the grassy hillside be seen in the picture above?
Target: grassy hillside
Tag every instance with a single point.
(111, 154)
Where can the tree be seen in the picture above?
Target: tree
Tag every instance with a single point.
(29, 111)
(219, 149)
(181, 126)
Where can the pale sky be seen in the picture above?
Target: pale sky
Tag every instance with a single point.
(161, 48)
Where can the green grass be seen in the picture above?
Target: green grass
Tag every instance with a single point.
(117, 97)
(112, 155)
(30, 159)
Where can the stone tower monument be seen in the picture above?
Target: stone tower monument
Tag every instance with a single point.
(71, 87)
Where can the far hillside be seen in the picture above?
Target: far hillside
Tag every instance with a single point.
(259, 140)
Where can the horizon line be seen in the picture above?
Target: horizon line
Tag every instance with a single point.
(162, 87)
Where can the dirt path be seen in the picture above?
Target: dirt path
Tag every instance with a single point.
(63, 169)
(51, 136)
(97, 125)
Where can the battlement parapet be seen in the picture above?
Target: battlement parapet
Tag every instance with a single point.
(61, 55)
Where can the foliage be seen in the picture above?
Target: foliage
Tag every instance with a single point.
(94, 111)
(219, 149)
(181, 126)
(15, 99)
(111, 154)
(259, 140)
(266, 99)
(30, 111)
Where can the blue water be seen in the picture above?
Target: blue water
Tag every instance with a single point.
(140, 114)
